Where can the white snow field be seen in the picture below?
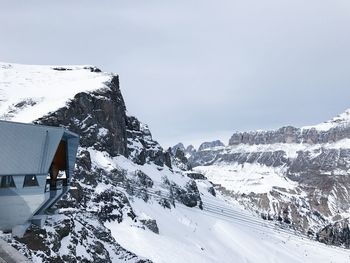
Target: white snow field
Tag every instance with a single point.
(245, 179)
(191, 235)
(28, 92)
(341, 119)
(221, 232)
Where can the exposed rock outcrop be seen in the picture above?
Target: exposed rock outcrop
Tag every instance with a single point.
(291, 134)
(142, 147)
(209, 145)
(336, 234)
(178, 146)
(98, 117)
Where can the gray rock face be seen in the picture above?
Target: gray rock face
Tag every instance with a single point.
(142, 147)
(179, 146)
(151, 225)
(98, 117)
(190, 150)
(179, 155)
(190, 156)
(189, 196)
(291, 134)
(196, 176)
(209, 145)
(336, 234)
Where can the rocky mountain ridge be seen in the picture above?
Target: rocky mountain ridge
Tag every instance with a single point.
(290, 134)
(299, 176)
(102, 186)
(330, 131)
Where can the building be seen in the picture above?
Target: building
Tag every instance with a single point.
(36, 167)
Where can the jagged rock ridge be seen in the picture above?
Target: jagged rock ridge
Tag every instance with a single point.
(291, 134)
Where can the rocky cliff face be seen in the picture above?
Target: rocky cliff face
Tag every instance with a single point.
(209, 145)
(142, 148)
(98, 117)
(337, 234)
(299, 176)
(117, 161)
(291, 134)
(178, 146)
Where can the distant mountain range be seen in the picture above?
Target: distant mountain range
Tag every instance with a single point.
(298, 176)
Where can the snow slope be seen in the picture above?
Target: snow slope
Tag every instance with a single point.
(341, 119)
(249, 178)
(259, 178)
(191, 235)
(29, 92)
(221, 232)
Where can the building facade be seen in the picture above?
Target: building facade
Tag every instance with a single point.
(36, 167)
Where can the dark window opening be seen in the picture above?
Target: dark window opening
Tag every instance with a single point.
(30, 180)
(7, 182)
(59, 162)
(58, 167)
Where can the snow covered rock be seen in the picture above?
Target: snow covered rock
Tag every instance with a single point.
(97, 116)
(178, 146)
(299, 176)
(209, 145)
(118, 160)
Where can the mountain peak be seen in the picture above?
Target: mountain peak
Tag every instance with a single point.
(209, 145)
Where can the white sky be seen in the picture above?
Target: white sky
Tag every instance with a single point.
(197, 70)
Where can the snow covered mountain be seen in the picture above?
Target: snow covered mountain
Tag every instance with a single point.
(131, 201)
(299, 176)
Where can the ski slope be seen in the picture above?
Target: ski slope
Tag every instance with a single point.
(219, 233)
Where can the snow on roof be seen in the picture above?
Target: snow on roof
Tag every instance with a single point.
(28, 92)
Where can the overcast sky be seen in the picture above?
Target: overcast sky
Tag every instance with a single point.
(197, 70)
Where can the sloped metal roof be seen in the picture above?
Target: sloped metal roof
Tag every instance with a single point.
(29, 149)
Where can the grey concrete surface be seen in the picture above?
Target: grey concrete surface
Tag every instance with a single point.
(10, 255)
